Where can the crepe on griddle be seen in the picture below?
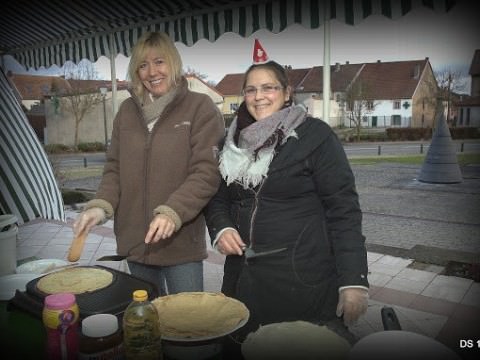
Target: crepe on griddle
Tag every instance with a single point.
(191, 315)
(295, 340)
(77, 280)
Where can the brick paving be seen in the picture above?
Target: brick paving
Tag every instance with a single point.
(405, 222)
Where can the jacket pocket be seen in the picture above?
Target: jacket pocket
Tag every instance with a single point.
(312, 259)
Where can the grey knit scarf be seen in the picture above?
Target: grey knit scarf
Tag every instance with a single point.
(242, 163)
(153, 107)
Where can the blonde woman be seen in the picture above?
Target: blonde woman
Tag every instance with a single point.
(161, 171)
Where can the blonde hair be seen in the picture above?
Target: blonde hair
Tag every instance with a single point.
(165, 46)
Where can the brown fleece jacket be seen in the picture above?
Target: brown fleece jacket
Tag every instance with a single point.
(172, 170)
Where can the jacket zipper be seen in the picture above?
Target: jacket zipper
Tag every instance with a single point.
(254, 212)
(146, 251)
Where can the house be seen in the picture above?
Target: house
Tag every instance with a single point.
(231, 89)
(402, 92)
(468, 108)
(309, 91)
(31, 92)
(41, 96)
(198, 85)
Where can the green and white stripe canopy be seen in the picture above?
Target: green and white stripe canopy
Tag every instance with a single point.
(28, 186)
(48, 32)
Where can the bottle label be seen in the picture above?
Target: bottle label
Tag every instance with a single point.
(60, 319)
(62, 332)
(114, 353)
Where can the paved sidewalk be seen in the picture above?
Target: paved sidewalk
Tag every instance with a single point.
(442, 307)
(413, 231)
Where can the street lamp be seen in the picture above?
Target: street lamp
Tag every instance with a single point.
(103, 91)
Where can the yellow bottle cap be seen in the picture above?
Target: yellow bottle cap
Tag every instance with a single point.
(140, 295)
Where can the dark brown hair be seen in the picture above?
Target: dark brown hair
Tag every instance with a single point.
(279, 72)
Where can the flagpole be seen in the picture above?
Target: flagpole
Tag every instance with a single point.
(326, 62)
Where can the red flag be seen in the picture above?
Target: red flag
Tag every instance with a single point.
(259, 54)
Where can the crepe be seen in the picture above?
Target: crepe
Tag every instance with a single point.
(197, 315)
(295, 340)
(77, 280)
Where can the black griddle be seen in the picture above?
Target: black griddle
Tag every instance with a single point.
(112, 299)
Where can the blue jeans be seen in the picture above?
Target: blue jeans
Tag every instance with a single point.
(171, 279)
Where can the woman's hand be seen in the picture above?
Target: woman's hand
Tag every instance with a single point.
(352, 303)
(88, 219)
(161, 227)
(230, 243)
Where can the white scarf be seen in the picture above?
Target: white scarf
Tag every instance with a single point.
(238, 163)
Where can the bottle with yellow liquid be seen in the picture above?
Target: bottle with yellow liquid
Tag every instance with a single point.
(141, 329)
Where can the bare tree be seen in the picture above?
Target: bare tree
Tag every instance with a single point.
(358, 103)
(451, 81)
(192, 72)
(82, 94)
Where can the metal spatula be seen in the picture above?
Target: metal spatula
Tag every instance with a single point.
(122, 257)
(112, 258)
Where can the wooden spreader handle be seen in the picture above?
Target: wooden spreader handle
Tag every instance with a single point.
(77, 246)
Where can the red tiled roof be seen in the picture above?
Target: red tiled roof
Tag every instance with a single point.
(296, 76)
(392, 80)
(231, 84)
(388, 80)
(34, 87)
(340, 76)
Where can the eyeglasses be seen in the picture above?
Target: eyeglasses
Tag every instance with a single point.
(264, 89)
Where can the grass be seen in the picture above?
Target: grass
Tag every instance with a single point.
(75, 173)
(463, 159)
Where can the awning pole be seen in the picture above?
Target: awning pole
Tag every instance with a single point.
(326, 63)
(113, 53)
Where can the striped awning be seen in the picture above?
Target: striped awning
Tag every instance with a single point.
(51, 32)
(43, 33)
(27, 183)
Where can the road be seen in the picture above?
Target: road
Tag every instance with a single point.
(78, 159)
(404, 148)
(355, 149)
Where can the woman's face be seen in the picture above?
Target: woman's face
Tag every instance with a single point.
(263, 93)
(154, 73)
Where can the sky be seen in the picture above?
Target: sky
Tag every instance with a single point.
(448, 40)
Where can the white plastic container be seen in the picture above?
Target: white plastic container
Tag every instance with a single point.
(8, 244)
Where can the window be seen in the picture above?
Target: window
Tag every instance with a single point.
(396, 104)
(233, 107)
(396, 120)
(370, 105)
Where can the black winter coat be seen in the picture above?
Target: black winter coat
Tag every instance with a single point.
(307, 204)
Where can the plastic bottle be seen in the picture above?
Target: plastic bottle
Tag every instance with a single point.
(141, 329)
(60, 316)
(101, 338)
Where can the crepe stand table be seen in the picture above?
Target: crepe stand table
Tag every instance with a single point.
(22, 334)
